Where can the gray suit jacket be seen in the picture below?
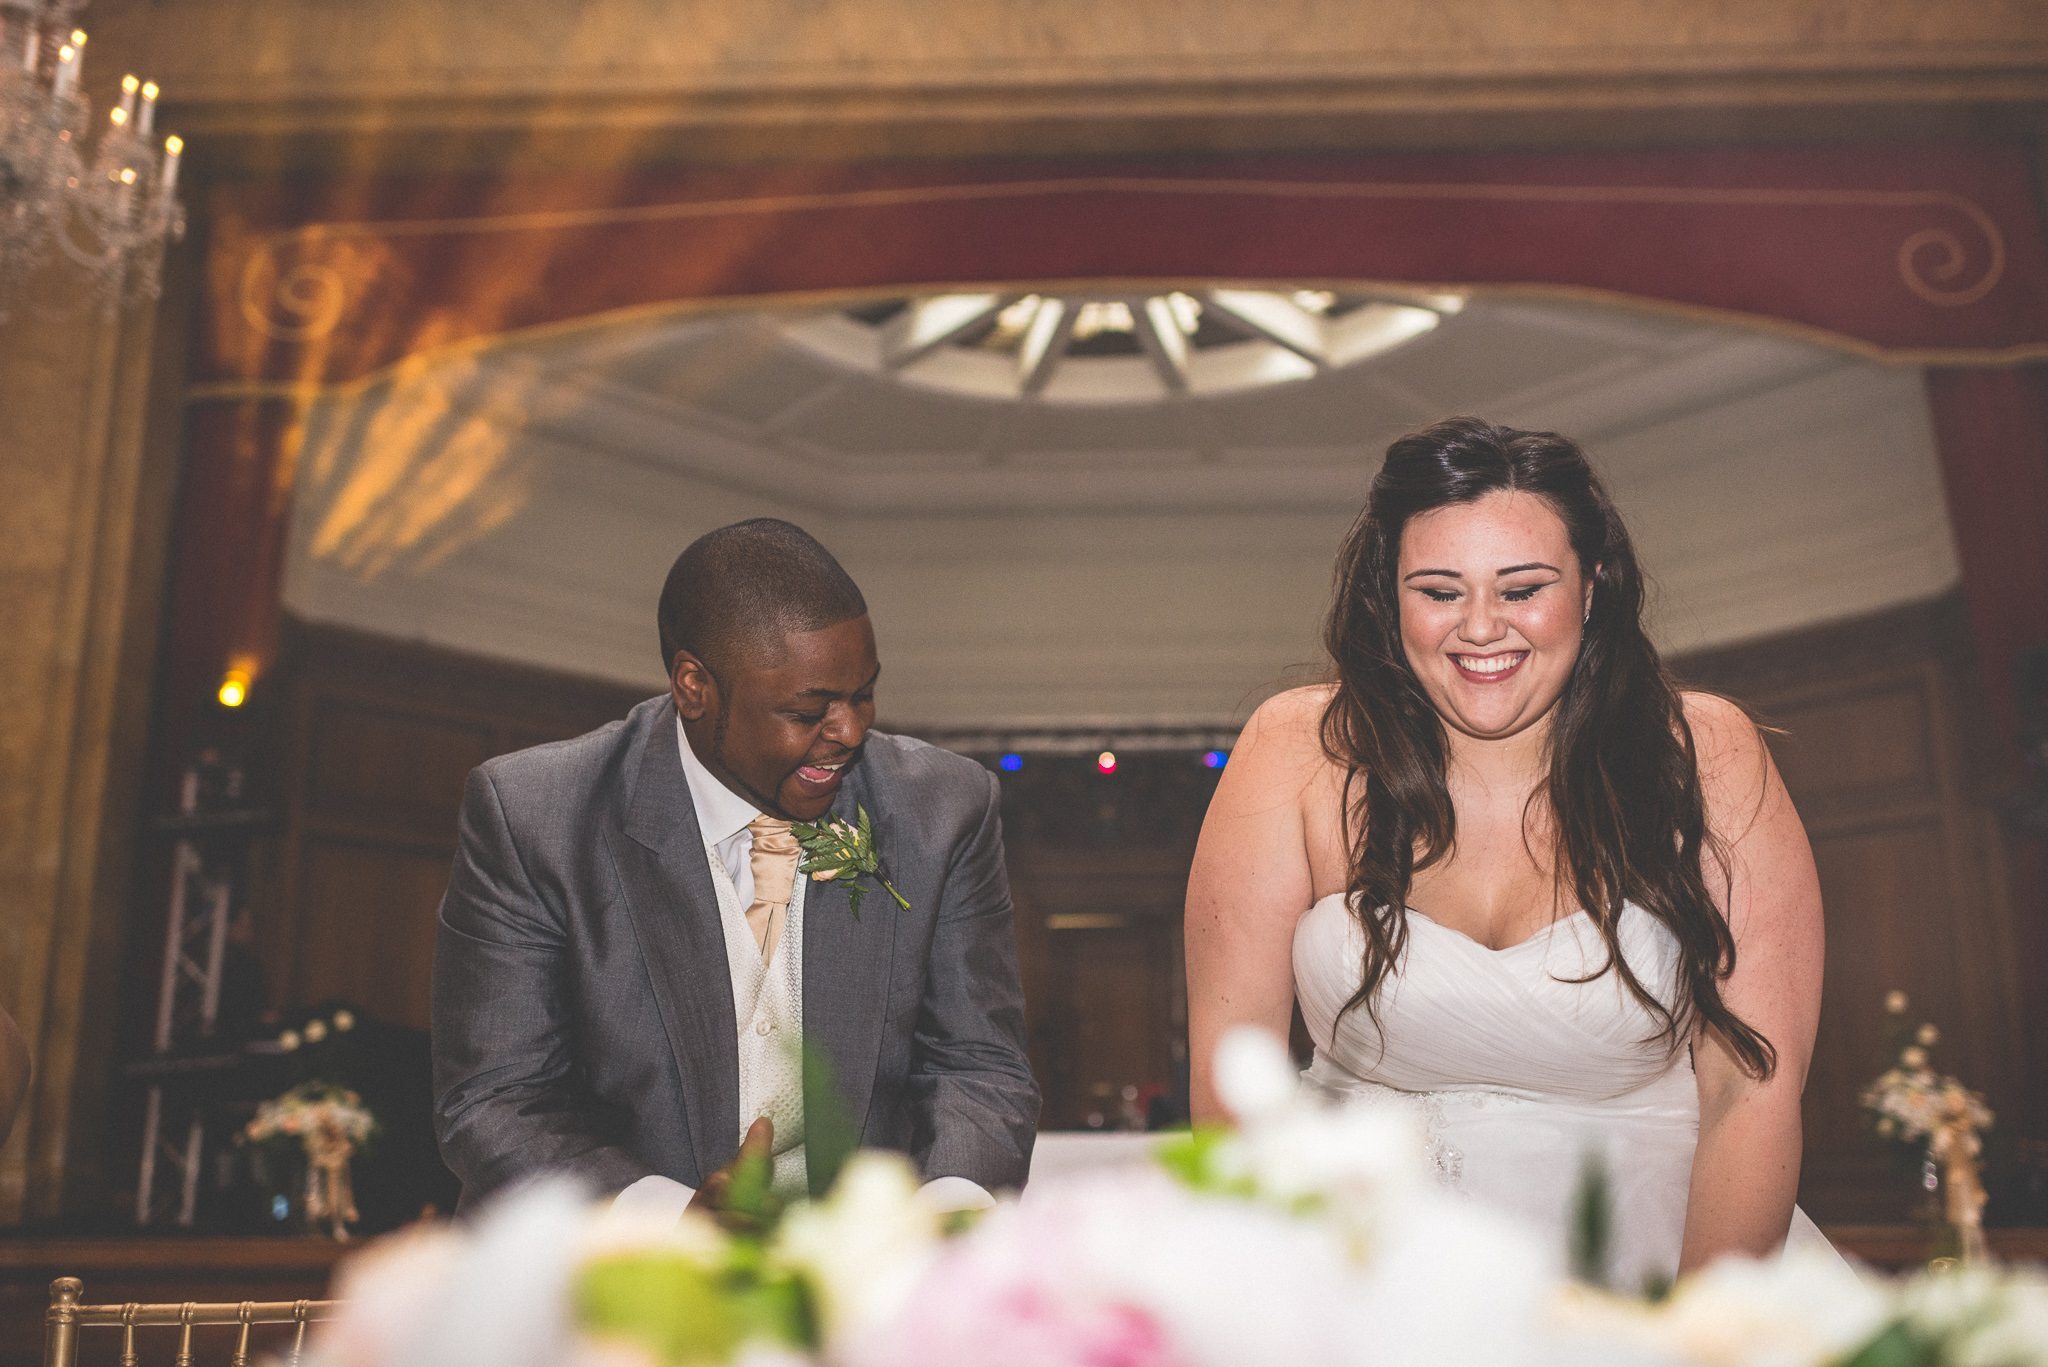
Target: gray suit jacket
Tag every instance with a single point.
(583, 1010)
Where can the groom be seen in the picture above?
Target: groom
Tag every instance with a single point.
(631, 971)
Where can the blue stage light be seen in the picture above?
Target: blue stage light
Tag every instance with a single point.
(1215, 759)
(1010, 764)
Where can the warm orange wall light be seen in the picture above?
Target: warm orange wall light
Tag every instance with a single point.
(234, 688)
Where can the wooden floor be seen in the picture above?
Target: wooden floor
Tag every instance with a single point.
(209, 1269)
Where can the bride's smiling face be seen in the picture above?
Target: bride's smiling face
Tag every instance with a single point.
(1492, 603)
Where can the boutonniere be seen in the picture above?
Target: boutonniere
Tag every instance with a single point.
(842, 849)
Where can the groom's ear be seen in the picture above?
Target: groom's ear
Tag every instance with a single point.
(693, 686)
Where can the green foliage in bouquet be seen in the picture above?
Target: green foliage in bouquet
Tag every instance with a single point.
(685, 1311)
(692, 1306)
(1592, 1230)
(830, 1136)
(1897, 1346)
(1204, 1159)
(1951, 1318)
(751, 1205)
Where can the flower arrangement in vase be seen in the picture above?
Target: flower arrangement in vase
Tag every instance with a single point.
(1940, 1120)
(308, 1136)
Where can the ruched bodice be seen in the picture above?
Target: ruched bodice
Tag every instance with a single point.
(1527, 1065)
(1458, 1015)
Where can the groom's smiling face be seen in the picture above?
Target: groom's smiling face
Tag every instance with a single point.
(782, 721)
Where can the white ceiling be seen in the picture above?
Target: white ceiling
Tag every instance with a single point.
(1031, 561)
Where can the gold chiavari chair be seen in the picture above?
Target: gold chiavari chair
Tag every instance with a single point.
(67, 1315)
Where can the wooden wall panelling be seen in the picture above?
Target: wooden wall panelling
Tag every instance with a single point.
(371, 842)
(1106, 991)
(1914, 878)
(379, 739)
(1098, 871)
(367, 927)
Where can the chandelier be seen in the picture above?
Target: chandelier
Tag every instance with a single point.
(107, 209)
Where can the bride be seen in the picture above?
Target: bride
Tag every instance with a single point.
(1515, 877)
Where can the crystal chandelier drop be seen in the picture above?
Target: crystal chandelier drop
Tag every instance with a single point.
(107, 209)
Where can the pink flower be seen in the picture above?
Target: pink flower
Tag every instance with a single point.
(1028, 1322)
(1130, 1273)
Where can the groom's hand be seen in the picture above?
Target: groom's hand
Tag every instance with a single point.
(737, 1195)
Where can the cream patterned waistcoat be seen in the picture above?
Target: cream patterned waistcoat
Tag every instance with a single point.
(768, 1001)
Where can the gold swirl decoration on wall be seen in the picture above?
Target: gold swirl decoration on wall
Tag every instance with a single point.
(309, 298)
(1953, 261)
(299, 286)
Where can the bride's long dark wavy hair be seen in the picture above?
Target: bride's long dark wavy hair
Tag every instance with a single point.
(1623, 787)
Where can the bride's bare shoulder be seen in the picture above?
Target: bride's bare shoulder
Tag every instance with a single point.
(1291, 720)
(1734, 763)
(1282, 744)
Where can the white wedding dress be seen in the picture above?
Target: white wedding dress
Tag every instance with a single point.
(1519, 1076)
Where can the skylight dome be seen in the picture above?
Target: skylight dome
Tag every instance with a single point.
(1119, 347)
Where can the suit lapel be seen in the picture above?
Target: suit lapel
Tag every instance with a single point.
(846, 982)
(667, 882)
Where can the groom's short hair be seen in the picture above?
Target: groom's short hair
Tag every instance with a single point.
(747, 585)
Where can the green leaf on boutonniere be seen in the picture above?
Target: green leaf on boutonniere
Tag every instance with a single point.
(843, 851)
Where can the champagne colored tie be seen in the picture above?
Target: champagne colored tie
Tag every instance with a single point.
(773, 861)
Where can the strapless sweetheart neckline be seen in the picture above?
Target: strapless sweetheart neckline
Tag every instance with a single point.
(1534, 937)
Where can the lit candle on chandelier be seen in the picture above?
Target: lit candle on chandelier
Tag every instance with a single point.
(69, 58)
(174, 152)
(148, 120)
(69, 69)
(129, 85)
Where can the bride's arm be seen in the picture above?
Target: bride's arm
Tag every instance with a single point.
(1745, 1173)
(1249, 884)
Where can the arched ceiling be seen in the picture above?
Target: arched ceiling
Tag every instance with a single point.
(1032, 561)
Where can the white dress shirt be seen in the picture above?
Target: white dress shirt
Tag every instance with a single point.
(723, 817)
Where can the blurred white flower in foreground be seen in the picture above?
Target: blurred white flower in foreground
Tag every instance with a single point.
(865, 1245)
(1362, 1164)
(1255, 1079)
(492, 1295)
(1793, 1311)
(1987, 1316)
